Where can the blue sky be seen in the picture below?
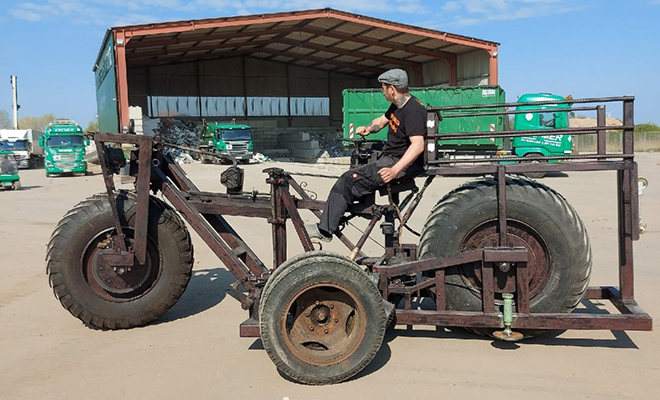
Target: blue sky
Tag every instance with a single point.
(586, 48)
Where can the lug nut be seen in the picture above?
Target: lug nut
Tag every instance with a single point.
(326, 331)
(311, 328)
(336, 320)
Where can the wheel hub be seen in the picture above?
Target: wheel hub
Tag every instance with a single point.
(324, 325)
(118, 283)
(519, 235)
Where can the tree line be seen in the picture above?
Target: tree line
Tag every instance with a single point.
(37, 123)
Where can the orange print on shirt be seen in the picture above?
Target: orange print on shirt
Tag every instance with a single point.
(394, 123)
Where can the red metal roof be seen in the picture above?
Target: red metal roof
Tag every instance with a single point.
(324, 39)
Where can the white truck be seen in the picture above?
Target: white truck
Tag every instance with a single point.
(24, 143)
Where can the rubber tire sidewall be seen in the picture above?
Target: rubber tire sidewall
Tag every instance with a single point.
(291, 278)
(538, 208)
(82, 227)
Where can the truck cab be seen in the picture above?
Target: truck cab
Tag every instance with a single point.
(542, 117)
(64, 148)
(228, 141)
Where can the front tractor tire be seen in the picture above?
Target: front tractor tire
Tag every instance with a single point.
(118, 298)
(538, 219)
(322, 318)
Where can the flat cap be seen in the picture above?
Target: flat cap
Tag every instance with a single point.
(396, 77)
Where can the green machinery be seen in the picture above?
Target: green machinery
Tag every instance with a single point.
(228, 141)
(64, 148)
(9, 178)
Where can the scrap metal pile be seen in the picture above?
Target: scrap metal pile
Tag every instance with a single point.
(179, 133)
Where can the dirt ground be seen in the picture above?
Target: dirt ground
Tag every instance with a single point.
(194, 351)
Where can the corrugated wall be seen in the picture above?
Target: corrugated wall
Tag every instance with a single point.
(472, 70)
(225, 78)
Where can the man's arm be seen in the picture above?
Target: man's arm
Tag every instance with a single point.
(375, 125)
(414, 150)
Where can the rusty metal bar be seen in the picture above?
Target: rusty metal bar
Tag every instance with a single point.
(431, 153)
(522, 288)
(601, 136)
(297, 221)
(626, 279)
(427, 264)
(237, 244)
(521, 168)
(635, 322)
(508, 112)
(628, 127)
(305, 197)
(142, 212)
(524, 133)
(440, 297)
(487, 291)
(501, 205)
(364, 237)
(624, 99)
(110, 187)
(205, 231)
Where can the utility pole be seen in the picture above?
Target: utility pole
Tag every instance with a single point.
(15, 105)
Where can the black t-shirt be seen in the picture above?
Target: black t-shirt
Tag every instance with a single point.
(404, 122)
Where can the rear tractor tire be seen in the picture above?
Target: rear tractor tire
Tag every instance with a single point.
(120, 297)
(322, 318)
(538, 218)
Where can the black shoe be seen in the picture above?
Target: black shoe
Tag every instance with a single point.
(315, 233)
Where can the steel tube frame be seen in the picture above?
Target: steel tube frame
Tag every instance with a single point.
(204, 212)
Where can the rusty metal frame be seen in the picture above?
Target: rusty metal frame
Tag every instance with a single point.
(205, 212)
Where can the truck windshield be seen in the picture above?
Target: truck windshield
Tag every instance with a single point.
(234, 134)
(18, 145)
(65, 141)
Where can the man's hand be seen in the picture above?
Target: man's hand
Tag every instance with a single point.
(388, 174)
(362, 130)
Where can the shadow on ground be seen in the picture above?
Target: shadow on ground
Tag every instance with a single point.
(206, 289)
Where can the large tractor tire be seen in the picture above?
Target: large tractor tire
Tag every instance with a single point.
(127, 297)
(322, 318)
(538, 218)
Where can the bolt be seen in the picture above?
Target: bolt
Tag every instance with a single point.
(505, 267)
(321, 316)
(311, 328)
(317, 302)
(336, 320)
(332, 306)
(326, 331)
(307, 315)
(100, 268)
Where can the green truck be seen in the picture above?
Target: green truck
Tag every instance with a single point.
(64, 148)
(227, 141)
(361, 106)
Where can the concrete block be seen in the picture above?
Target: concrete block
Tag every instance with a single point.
(294, 137)
(305, 153)
(308, 145)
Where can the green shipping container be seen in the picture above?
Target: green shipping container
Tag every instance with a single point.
(361, 106)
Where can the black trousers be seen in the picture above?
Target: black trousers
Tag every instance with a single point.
(354, 184)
